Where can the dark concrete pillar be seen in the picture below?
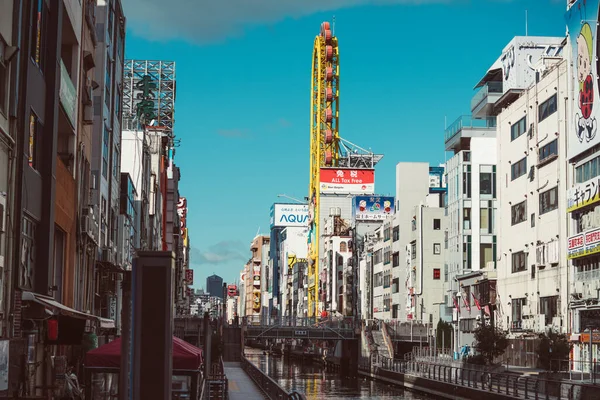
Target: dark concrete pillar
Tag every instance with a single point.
(49, 144)
(153, 312)
(125, 373)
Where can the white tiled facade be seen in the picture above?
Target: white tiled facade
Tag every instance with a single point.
(532, 263)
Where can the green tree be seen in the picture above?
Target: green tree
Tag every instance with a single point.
(444, 330)
(552, 349)
(491, 342)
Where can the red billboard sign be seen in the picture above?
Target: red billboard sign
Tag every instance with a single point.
(347, 181)
(189, 276)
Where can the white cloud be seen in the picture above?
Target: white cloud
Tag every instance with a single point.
(223, 252)
(204, 21)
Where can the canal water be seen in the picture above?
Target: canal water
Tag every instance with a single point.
(317, 383)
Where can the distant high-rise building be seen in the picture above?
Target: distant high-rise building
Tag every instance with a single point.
(214, 286)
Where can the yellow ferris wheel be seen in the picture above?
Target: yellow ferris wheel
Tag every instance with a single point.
(324, 141)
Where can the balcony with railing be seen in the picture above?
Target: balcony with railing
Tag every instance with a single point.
(466, 126)
(587, 276)
(482, 103)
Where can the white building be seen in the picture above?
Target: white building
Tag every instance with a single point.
(416, 183)
(293, 254)
(532, 276)
(425, 262)
(473, 179)
(337, 273)
(381, 274)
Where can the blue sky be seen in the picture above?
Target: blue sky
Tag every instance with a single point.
(243, 87)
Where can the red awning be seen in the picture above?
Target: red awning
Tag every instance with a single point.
(185, 355)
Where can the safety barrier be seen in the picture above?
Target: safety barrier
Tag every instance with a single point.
(267, 384)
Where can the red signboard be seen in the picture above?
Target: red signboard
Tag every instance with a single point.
(182, 212)
(189, 276)
(347, 181)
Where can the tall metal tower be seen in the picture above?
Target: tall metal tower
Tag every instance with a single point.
(149, 94)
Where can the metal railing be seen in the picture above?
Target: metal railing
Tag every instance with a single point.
(314, 322)
(215, 384)
(518, 386)
(586, 276)
(468, 122)
(482, 94)
(267, 384)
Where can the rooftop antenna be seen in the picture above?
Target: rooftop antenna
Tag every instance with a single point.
(526, 23)
(257, 232)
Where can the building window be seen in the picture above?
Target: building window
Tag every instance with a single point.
(437, 224)
(413, 250)
(587, 170)
(3, 86)
(518, 128)
(467, 325)
(467, 253)
(436, 273)
(28, 250)
(549, 307)
(467, 218)
(547, 108)
(519, 262)
(517, 312)
(396, 259)
(548, 151)
(549, 200)
(377, 258)
(343, 247)
(519, 212)
(396, 234)
(115, 166)
(35, 133)
(105, 142)
(486, 254)
(467, 181)
(518, 169)
(437, 248)
(485, 183)
(386, 233)
(118, 102)
(38, 32)
(387, 257)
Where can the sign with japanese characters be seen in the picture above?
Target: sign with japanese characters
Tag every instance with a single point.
(372, 208)
(189, 276)
(347, 181)
(582, 29)
(289, 215)
(583, 194)
(584, 244)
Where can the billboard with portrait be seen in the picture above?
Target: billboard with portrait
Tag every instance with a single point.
(582, 30)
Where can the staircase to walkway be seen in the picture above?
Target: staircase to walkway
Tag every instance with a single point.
(382, 348)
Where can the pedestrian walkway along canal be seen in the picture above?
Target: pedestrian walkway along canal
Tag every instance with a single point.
(317, 383)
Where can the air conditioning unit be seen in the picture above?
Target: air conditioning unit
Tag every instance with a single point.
(85, 225)
(88, 114)
(108, 255)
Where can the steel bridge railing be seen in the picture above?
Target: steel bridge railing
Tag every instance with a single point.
(267, 384)
(215, 385)
(518, 386)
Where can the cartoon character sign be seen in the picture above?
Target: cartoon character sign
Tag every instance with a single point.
(586, 124)
(387, 206)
